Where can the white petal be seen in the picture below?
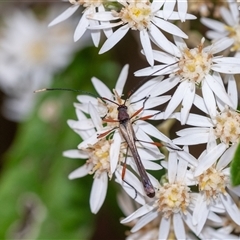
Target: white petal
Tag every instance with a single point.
(140, 212)
(75, 153)
(187, 157)
(226, 158)
(164, 228)
(169, 27)
(168, 8)
(81, 171)
(98, 192)
(172, 166)
(95, 34)
(182, 9)
(87, 99)
(176, 98)
(234, 10)
(227, 16)
(156, 5)
(147, 47)
(182, 169)
(219, 45)
(115, 151)
(226, 68)
(91, 140)
(232, 90)
(81, 27)
(209, 98)
(217, 89)
(179, 229)
(210, 158)
(199, 103)
(162, 41)
(213, 24)
(180, 42)
(114, 39)
(102, 16)
(187, 103)
(97, 121)
(145, 220)
(122, 80)
(163, 57)
(231, 207)
(66, 14)
(193, 139)
(101, 88)
(174, 15)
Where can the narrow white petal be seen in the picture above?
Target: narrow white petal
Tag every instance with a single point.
(75, 153)
(114, 39)
(187, 157)
(165, 86)
(213, 24)
(81, 27)
(172, 166)
(156, 5)
(176, 98)
(163, 57)
(182, 169)
(226, 60)
(217, 89)
(87, 99)
(145, 220)
(193, 139)
(226, 158)
(199, 103)
(101, 88)
(232, 90)
(97, 121)
(169, 27)
(231, 207)
(95, 34)
(168, 8)
(164, 228)
(198, 209)
(215, 35)
(162, 41)
(226, 68)
(227, 16)
(98, 192)
(209, 98)
(178, 226)
(175, 15)
(65, 15)
(187, 102)
(234, 10)
(148, 165)
(122, 80)
(180, 42)
(182, 9)
(102, 16)
(192, 130)
(210, 158)
(138, 213)
(114, 152)
(147, 47)
(91, 140)
(80, 172)
(219, 45)
(105, 26)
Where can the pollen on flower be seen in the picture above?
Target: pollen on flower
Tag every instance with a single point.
(234, 33)
(99, 157)
(137, 14)
(227, 128)
(194, 64)
(212, 182)
(87, 3)
(173, 198)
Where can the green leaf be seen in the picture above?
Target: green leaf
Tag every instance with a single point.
(235, 168)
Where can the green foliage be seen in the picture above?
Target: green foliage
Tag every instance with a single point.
(235, 168)
(35, 169)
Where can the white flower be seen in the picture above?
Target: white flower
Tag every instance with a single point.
(213, 183)
(230, 30)
(30, 55)
(172, 203)
(104, 145)
(143, 16)
(223, 127)
(197, 67)
(91, 6)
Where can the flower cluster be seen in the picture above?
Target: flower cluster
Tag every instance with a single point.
(195, 197)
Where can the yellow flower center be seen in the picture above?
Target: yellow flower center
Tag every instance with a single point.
(173, 198)
(234, 33)
(227, 128)
(138, 15)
